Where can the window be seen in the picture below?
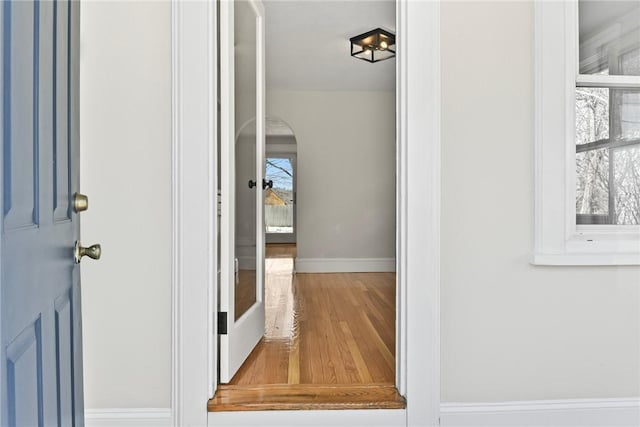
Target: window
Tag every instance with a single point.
(587, 70)
(279, 199)
(608, 114)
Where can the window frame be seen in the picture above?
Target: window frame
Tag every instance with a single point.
(558, 240)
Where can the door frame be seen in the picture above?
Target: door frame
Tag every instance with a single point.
(194, 210)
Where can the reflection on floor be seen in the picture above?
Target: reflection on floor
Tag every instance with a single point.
(279, 259)
(325, 335)
(245, 292)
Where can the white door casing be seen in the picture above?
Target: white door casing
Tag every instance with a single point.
(418, 230)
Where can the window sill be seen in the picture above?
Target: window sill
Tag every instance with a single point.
(587, 259)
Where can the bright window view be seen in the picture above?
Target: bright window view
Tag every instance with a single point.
(607, 156)
(279, 200)
(608, 117)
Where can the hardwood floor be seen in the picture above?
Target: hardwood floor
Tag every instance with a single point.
(325, 335)
(294, 397)
(281, 250)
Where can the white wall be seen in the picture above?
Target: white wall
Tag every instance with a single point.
(512, 331)
(346, 171)
(126, 172)
(509, 330)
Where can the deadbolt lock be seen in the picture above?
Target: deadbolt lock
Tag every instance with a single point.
(93, 252)
(80, 202)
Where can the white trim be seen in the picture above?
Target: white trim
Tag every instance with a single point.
(401, 197)
(418, 113)
(324, 418)
(176, 205)
(596, 80)
(227, 151)
(558, 240)
(544, 413)
(128, 417)
(344, 265)
(194, 207)
(175, 213)
(586, 259)
(418, 204)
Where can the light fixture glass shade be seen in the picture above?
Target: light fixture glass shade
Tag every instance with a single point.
(373, 46)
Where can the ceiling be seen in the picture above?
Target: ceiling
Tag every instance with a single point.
(307, 45)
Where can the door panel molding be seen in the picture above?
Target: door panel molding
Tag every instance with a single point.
(24, 368)
(61, 111)
(64, 358)
(21, 140)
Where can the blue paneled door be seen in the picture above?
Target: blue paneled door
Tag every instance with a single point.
(41, 369)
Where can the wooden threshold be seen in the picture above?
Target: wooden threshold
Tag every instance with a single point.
(304, 397)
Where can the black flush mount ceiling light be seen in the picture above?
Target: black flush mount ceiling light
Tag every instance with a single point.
(373, 46)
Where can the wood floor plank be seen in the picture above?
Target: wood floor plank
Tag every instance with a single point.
(388, 355)
(267, 363)
(322, 331)
(296, 397)
(361, 365)
(293, 372)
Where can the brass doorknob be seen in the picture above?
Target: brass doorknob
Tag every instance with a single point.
(80, 202)
(93, 252)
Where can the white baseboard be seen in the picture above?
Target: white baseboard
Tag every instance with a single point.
(623, 412)
(323, 418)
(128, 417)
(544, 413)
(345, 265)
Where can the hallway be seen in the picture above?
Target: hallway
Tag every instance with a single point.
(330, 332)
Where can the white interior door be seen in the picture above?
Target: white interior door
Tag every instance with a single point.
(242, 158)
